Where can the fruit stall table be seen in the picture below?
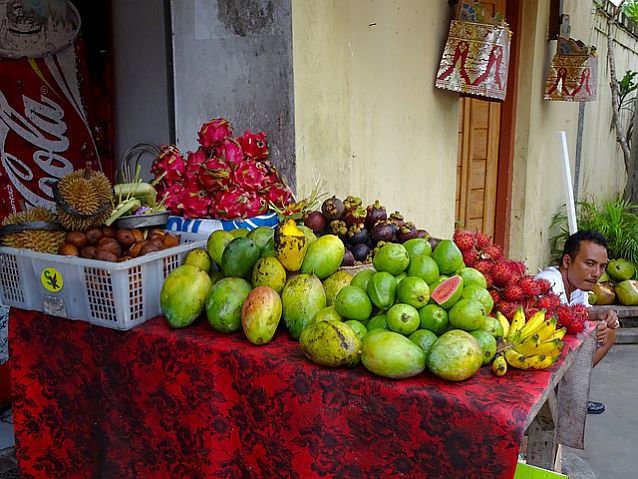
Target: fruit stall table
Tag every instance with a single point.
(154, 402)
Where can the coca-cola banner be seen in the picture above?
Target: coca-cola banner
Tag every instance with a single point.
(45, 131)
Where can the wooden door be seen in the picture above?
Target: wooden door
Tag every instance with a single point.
(478, 157)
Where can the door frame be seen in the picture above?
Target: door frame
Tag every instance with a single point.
(507, 138)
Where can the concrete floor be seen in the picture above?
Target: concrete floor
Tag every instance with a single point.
(611, 438)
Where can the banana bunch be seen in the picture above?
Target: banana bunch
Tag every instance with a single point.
(291, 245)
(528, 344)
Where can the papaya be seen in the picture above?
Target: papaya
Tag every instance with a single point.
(260, 314)
(183, 295)
(302, 298)
(391, 355)
(330, 343)
(324, 256)
(224, 304)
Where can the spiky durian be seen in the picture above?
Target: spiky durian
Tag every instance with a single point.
(84, 199)
(33, 229)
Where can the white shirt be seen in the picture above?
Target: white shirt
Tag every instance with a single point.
(578, 296)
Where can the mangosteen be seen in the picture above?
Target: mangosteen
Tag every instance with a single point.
(359, 235)
(355, 216)
(339, 228)
(422, 234)
(316, 221)
(332, 208)
(384, 231)
(360, 251)
(434, 241)
(397, 219)
(375, 212)
(348, 258)
(406, 232)
(351, 203)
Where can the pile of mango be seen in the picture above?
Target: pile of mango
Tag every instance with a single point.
(415, 308)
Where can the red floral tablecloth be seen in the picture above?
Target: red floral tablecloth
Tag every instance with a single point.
(160, 403)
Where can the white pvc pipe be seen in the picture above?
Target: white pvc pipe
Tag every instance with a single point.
(569, 190)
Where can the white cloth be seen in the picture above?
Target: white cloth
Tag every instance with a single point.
(578, 296)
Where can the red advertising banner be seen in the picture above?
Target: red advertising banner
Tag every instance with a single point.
(44, 127)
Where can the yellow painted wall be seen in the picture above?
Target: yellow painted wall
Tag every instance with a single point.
(368, 119)
(538, 189)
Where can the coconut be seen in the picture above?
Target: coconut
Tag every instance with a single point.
(627, 292)
(604, 293)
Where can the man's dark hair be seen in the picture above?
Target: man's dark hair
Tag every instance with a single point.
(572, 245)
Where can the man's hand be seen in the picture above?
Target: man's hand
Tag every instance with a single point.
(610, 318)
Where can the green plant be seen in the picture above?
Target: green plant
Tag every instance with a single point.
(630, 9)
(616, 219)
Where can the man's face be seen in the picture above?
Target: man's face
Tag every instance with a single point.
(587, 267)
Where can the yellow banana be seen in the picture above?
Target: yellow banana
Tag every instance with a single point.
(533, 324)
(529, 345)
(557, 334)
(548, 348)
(504, 323)
(291, 245)
(518, 321)
(516, 359)
(542, 362)
(499, 365)
(547, 330)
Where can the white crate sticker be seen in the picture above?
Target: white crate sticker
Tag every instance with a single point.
(51, 279)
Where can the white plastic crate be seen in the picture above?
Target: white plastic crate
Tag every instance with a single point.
(114, 295)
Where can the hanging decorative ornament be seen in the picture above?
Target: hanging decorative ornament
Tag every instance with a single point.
(475, 59)
(573, 74)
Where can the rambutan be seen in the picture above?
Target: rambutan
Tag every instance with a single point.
(470, 257)
(464, 240)
(571, 318)
(513, 292)
(549, 302)
(489, 280)
(482, 240)
(484, 266)
(529, 285)
(507, 308)
(496, 296)
(493, 252)
(501, 273)
(544, 285)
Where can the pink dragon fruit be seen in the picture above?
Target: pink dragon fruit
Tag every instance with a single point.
(195, 202)
(254, 145)
(214, 175)
(278, 194)
(249, 176)
(169, 163)
(214, 132)
(172, 198)
(253, 205)
(194, 161)
(230, 151)
(228, 204)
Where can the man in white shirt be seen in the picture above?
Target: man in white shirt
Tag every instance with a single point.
(582, 264)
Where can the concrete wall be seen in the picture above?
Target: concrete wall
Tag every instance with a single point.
(368, 119)
(233, 58)
(538, 188)
(141, 109)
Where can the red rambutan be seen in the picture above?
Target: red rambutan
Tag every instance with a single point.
(464, 240)
(470, 257)
(484, 266)
(513, 292)
(502, 274)
(482, 240)
(529, 285)
(493, 252)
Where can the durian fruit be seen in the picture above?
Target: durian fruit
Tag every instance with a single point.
(33, 229)
(84, 199)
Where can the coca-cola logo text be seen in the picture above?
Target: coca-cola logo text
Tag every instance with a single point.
(42, 126)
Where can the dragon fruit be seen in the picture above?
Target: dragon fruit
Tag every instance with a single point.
(230, 151)
(226, 178)
(214, 132)
(254, 145)
(248, 175)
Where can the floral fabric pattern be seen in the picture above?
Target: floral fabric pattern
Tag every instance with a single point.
(194, 403)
